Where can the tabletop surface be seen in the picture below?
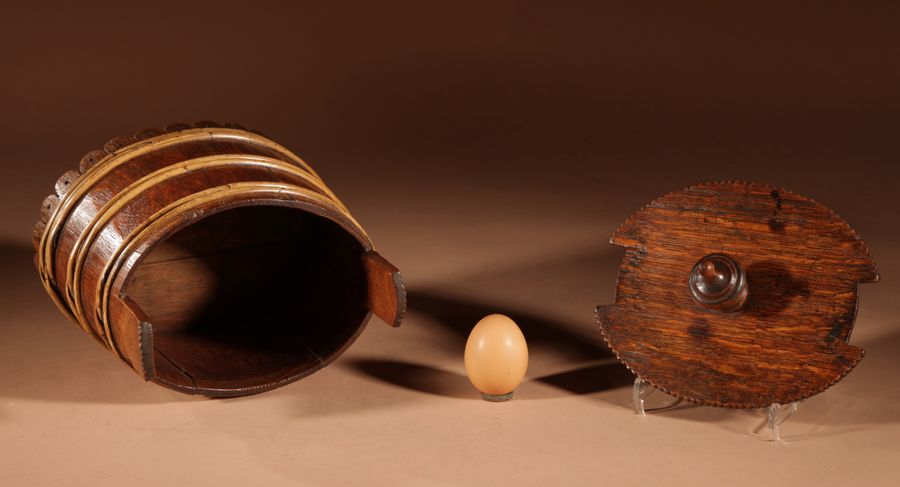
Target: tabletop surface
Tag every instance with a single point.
(490, 150)
(397, 409)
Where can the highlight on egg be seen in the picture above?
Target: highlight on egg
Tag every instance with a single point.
(496, 357)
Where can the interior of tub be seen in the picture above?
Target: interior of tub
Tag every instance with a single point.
(250, 296)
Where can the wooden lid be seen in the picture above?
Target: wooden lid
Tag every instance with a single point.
(681, 323)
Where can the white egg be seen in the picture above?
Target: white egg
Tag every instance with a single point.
(496, 357)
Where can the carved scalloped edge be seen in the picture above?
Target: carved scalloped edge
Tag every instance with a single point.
(628, 221)
(716, 403)
(865, 248)
(116, 144)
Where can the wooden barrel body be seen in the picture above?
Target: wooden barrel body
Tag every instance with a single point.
(211, 260)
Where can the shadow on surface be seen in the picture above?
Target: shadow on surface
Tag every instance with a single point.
(430, 380)
(46, 357)
(552, 343)
(417, 377)
(594, 378)
(459, 315)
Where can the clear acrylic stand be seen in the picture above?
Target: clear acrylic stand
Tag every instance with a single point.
(777, 414)
(642, 391)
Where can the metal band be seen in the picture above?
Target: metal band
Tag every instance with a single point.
(70, 199)
(171, 213)
(86, 239)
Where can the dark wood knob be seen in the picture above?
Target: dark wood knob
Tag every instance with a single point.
(718, 282)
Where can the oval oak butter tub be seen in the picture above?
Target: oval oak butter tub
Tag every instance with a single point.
(211, 260)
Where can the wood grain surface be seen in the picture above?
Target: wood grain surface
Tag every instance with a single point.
(787, 342)
(210, 259)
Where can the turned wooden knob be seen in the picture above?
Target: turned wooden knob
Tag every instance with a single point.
(718, 282)
(761, 324)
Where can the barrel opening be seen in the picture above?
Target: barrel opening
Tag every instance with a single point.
(250, 297)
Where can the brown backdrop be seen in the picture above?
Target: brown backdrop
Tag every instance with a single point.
(805, 95)
(490, 148)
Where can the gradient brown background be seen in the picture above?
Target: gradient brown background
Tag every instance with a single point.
(490, 149)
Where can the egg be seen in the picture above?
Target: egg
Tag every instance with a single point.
(496, 357)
